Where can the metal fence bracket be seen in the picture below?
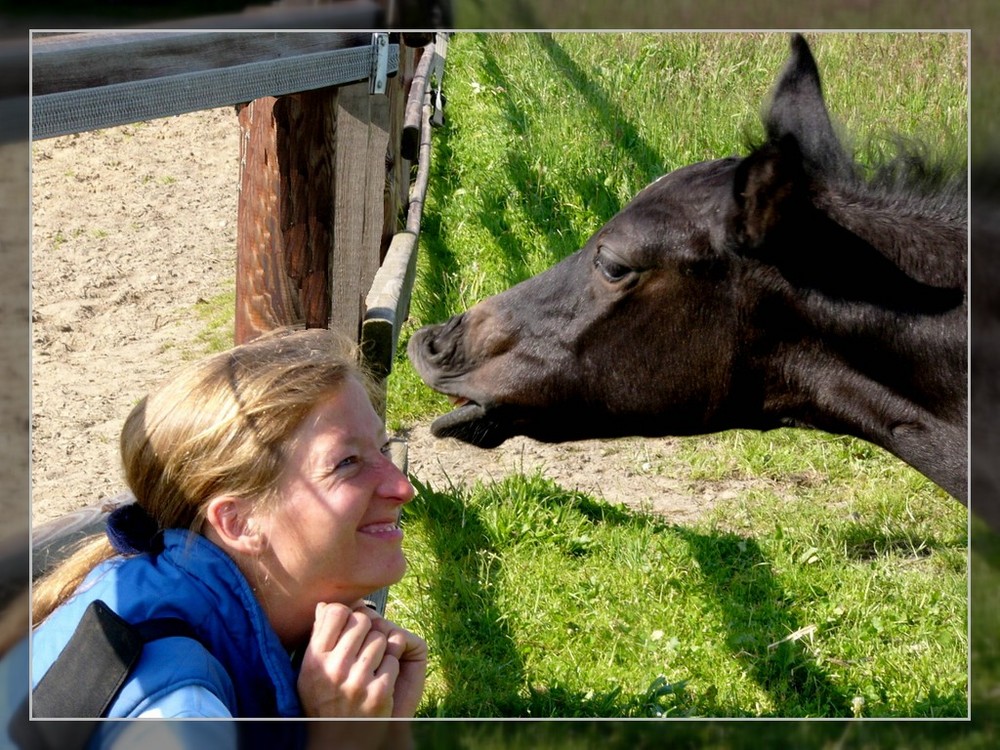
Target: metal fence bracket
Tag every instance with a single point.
(380, 62)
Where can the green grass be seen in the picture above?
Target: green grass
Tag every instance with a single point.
(217, 321)
(638, 14)
(541, 602)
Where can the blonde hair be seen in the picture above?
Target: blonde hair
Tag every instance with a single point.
(222, 425)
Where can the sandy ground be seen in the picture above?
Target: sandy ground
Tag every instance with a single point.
(131, 227)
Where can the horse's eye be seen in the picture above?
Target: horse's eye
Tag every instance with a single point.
(611, 266)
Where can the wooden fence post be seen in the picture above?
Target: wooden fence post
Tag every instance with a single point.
(284, 234)
(397, 187)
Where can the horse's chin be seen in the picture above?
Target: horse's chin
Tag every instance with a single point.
(472, 424)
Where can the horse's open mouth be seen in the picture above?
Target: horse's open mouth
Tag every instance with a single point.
(471, 423)
(481, 425)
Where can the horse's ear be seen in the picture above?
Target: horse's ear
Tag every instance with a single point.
(797, 109)
(770, 189)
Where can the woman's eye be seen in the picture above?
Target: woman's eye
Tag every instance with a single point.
(348, 462)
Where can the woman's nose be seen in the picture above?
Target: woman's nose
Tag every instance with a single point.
(395, 483)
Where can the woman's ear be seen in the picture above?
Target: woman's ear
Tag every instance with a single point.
(233, 526)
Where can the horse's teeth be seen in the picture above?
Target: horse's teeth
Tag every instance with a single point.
(458, 400)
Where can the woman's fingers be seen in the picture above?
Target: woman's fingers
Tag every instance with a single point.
(328, 624)
(402, 644)
(345, 670)
(371, 653)
(405, 659)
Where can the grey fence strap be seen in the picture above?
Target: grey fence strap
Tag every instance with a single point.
(118, 104)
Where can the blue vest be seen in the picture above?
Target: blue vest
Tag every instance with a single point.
(237, 655)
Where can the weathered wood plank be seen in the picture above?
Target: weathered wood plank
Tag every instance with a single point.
(397, 187)
(362, 137)
(264, 297)
(68, 62)
(350, 175)
(437, 76)
(375, 183)
(418, 193)
(387, 304)
(307, 128)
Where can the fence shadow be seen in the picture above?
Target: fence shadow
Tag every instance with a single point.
(741, 584)
(439, 256)
(541, 203)
(466, 611)
(606, 114)
(736, 576)
(536, 198)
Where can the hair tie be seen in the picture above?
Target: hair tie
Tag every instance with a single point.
(132, 531)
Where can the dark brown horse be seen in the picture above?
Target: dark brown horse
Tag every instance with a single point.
(784, 288)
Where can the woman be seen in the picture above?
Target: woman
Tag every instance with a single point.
(266, 510)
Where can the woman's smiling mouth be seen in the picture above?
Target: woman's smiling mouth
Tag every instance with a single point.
(383, 530)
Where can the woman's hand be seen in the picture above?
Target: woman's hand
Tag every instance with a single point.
(358, 664)
(343, 671)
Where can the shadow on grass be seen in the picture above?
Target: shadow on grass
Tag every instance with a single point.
(607, 115)
(736, 579)
(466, 612)
(533, 196)
(465, 561)
(522, 189)
(727, 735)
(441, 262)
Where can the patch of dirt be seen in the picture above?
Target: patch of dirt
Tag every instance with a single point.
(134, 227)
(643, 474)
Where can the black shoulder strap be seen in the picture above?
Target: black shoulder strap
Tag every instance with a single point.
(98, 658)
(90, 671)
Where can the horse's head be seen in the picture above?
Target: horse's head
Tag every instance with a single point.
(546, 357)
(695, 308)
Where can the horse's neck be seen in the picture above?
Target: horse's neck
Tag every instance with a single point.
(907, 331)
(889, 365)
(898, 381)
(932, 438)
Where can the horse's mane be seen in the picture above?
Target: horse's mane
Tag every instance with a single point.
(899, 167)
(911, 172)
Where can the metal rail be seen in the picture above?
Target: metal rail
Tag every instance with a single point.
(91, 108)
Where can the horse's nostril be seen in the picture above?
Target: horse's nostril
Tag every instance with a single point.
(439, 347)
(450, 327)
(443, 341)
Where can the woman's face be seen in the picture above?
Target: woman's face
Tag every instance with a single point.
(333, 534)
